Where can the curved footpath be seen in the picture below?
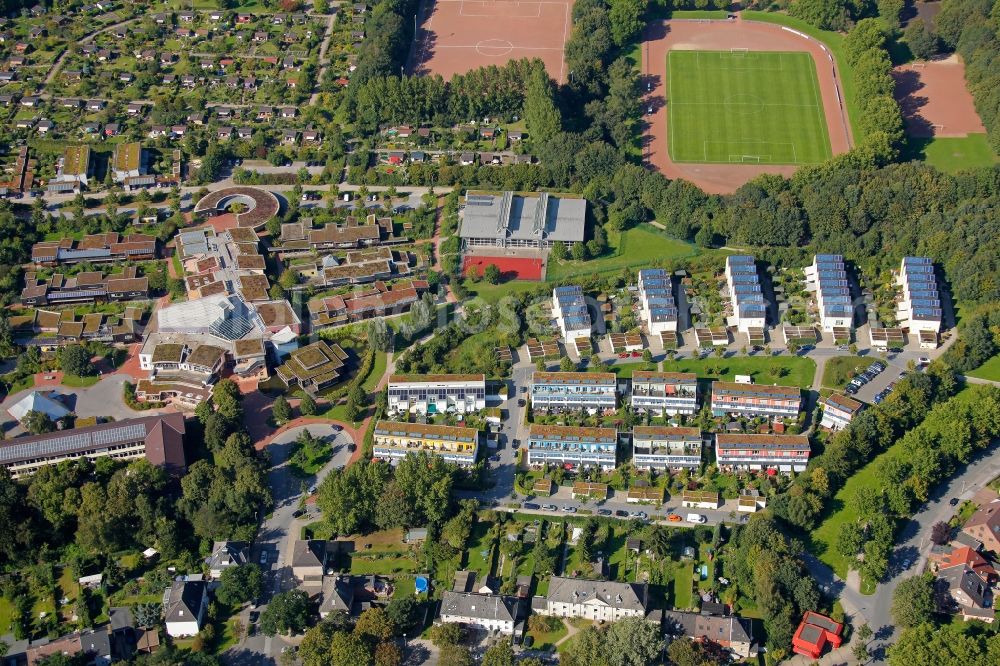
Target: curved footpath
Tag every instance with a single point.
(713, 35)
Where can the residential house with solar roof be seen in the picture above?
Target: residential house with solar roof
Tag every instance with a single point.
(745, 295)
(437, 394)
(572, 447)
(657, 306)
(535, 220)
(395, 440)
(569, 308)
(827, 278)
(782, 453)
(666, 448)
(919, 308)
(561, 391)
(664, 393)
(159, 438)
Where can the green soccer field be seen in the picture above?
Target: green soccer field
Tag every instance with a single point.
(745, 107)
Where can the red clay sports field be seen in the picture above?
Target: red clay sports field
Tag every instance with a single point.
(511, 268)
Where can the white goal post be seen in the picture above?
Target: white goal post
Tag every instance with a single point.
(739, 52)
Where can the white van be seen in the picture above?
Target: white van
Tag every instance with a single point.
(696, 518)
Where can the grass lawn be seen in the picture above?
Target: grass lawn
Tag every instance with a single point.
(953, 154)
(339, 413)
(801, 370)
(624, 370)
(838, 370)
(79, 382)
(491, 293)
(404, 586)
(378, 369)
(385, 566)
(823, 540)
(547, 640)
(775, 94)
(989, 370)
(479, 554)
(636, 247)
(384, 541)
(6, 615)
(683, 597)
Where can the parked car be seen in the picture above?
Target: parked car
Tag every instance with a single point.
(495, 458)
(521, 402)
(696, 518)
(953, 501)
(604, 512)
(531, 506)
(674, 518)
(923, 360)
(641, 515)
(515, 444)
(851, 389)
(298, 513)
(621, 513)
(263, 557)
(569, 509)
(550, 507)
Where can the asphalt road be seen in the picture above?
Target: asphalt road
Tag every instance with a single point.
(912, 547)
(273, 549)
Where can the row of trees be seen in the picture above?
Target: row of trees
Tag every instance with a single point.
(388, 33)
(869, 434)
(950, 435)
(880, 120)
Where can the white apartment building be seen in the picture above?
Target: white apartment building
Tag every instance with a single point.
(560, 391)
(919, 309)
(664, 393)
(663, 448)
(489, 612)
(838, 410)
(827, 276)
(597, 600)
(569, 308)
(745, 294)
(656, 301)
(437, 394)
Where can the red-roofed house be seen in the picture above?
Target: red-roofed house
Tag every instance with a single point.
(814, 633)
(965, 556)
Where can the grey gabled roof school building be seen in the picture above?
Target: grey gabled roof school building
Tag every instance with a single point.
(522, 220)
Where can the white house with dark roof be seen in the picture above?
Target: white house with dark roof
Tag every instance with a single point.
(490, 612)
(227, 554)
(597, 600)
(184, 607)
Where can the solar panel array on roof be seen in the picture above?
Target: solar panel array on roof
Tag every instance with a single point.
(744, 287)
(833, 290)
(73, 442)
(231, 328)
